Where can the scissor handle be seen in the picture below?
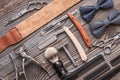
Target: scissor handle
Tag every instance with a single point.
(36, 5)
(108, 49)
(100, 44)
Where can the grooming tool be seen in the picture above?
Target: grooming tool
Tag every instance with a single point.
(34, 22)
(51, 54)
(32, 5)
(97, 28)
(55, 24)
(94, 67)
(88, 12)
(68, 53)
(81, 29)
(76, 43)
(108, 43)
(23, 54)
(17, 71)
(52, 38)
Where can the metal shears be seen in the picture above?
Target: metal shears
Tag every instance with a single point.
(24, 57)
(107, 44)
(32, 5)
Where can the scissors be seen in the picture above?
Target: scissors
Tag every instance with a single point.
(107, 44)
(32, 5)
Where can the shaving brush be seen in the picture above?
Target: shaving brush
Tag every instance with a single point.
(51, 54)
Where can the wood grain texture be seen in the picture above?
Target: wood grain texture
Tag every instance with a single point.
(81, 30)
(6, 66)
(43, 16)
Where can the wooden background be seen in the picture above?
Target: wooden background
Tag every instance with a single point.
(10, 7)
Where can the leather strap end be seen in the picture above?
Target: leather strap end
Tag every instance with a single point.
(11, 37)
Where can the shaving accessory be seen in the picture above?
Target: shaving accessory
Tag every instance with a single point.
(55, 24)
(50, 39)
(23, 53)
(63, 46)
(81, 29)
(76, 43)
(51, 54)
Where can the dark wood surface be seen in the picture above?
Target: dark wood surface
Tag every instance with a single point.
(10, 7)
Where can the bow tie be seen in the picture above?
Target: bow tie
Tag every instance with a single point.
(88, 12)
(97, 28)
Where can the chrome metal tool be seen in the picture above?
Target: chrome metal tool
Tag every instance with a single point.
(49, 40)
(107, 44)
(24, 57)
(17, 71)
(23, 54)
(68, 53)
(32, 5)
(55, 24)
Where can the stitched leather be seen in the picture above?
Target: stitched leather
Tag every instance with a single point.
(11, 37)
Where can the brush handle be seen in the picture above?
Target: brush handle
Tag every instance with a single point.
(60, 69)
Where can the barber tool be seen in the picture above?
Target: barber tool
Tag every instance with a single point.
(88, 12)
(68, 53)
(76, 43)
(32, 5)
(52, 38)
(97, 28)
(34, 22)
(94, 67)
(17, 71)
(55, 24)
(81, 29)
(108, 43)
(51, 54)
(22, 53)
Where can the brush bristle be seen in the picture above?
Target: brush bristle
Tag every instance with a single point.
(51, 54)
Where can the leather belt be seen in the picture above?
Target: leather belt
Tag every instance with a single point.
(11, 37)
(34, 22)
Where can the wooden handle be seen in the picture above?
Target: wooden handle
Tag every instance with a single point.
(76, 43)
(81, 29)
